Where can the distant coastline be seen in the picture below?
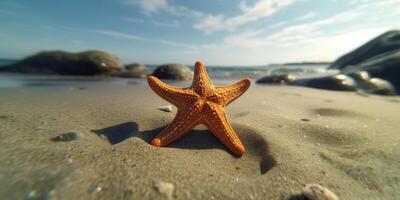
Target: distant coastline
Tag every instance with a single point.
(302, 63)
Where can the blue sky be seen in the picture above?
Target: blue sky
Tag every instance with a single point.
(219, 32)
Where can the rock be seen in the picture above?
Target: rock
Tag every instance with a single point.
(380, 86)
(283, 78)
(385, 66)
(384, 43)
(372, 85)
(85, 63)
(66, 137)
(97, 189)
(167, 108)
(337, 82)
(360, 75)
(318, 192)
(380, 57)
(134, 70)
(173, 71)
(164, 188)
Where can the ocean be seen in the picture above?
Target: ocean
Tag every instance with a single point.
(221, 73)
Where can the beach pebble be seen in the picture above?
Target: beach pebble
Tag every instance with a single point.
(166, 108)
(66, 137)
(318, 192)
(98, 189)
(164, 188)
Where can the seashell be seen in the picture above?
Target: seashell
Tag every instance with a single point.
(318, 192)
(167, 108)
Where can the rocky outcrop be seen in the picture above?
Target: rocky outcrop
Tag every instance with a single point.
(380, 57)
(337, 82)
(356, 81)
(85, 63)
(173, 71)
(387, 42)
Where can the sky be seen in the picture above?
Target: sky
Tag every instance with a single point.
(219, 32)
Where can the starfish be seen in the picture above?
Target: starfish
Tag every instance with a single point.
(201, 103)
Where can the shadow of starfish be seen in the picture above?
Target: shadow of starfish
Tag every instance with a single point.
(197, 139)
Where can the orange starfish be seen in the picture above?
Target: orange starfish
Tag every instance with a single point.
(202, 103)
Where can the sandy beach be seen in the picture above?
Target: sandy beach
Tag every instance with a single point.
(345, 141)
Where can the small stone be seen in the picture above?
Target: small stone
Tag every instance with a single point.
(66, 137)
(305, 120)
(167, 108)
(4, 116)
(32, 195)
(98, 189)
(164, 188)
(318, 192)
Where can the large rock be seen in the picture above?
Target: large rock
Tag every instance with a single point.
(173, 71)
(280, 79)
(134, 70)
(66, 63)
(337, 82)
(385, 66)
(384, 43)
(372, 85)
(380, 57)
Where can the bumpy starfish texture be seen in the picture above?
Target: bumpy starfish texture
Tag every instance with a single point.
(201, 103)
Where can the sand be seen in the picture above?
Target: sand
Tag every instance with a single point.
(348, 142)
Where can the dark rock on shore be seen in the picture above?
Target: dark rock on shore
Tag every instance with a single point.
(380, 57)
(134, 70)
(280, 79)
(337, 82)
(85, 63)
(359, 80)
(66, 137)
(173, 71)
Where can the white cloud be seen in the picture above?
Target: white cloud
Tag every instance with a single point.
(299, 42)
(119, 35)
(77, 42)
(133, 20)
(319, 48)
(177, 44)
(210, 23)
(262, 8)
(128, 36)
(307, 16)
(290, 35)
(278, 24)
(149, 7)
(170, 24)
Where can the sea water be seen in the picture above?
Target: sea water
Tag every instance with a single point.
(219, 73)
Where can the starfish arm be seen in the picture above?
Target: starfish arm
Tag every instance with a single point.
(184, 121)
(201, 84)
(171, 94)
(200, 73)
(217, 122)
(234, 91)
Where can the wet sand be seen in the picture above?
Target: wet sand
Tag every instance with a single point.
(348, 142)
